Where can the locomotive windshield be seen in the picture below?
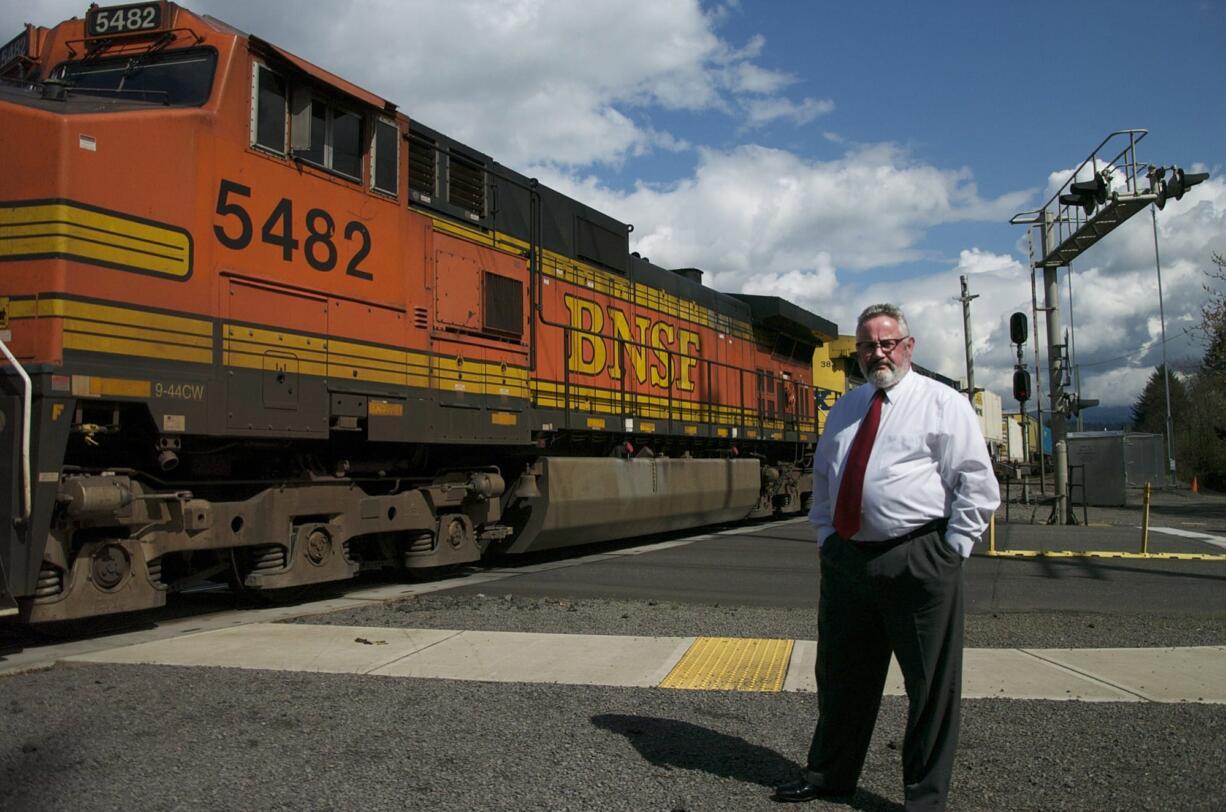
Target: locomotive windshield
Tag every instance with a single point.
(175, 79)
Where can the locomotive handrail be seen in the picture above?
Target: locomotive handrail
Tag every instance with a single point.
(26, 410)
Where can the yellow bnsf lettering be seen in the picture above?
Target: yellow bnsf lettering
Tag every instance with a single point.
(629, 346)
(587, 350)
(688, 359)
(662, 336)
(656, 351)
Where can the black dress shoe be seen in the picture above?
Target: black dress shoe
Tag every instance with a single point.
(802, 790)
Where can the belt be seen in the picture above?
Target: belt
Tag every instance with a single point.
(936, 525)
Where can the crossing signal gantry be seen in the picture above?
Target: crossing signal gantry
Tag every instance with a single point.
(1108, 187)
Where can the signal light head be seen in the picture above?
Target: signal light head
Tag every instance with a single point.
(1175, 185)
(1088, 194)
(1021, 385)
(1018, 328)
(1084, 201)
(1097, 187)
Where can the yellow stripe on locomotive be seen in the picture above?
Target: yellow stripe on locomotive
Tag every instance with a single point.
(40, 230)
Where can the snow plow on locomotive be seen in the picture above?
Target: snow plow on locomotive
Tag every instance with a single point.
(260, 326)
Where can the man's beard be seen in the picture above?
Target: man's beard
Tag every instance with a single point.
(884, 375)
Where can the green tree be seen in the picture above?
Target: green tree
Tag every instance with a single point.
(1208, 426)
(1149, 410)
(1213, 318)
(1202, 434)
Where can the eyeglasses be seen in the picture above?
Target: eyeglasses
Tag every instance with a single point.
(887, 345)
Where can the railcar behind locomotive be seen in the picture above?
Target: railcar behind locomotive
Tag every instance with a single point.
(262, 327)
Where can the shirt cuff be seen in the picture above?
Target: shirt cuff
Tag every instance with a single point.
(824, 533)
(961, 543)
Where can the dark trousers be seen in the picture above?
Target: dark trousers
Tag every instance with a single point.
(905, 599)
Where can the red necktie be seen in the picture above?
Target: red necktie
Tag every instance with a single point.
(851, 489)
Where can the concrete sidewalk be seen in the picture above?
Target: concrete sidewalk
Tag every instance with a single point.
(1095, 675)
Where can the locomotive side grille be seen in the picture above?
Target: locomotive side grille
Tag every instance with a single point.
(466, 185)
(504, 304)
(421, 317)
(423, 160)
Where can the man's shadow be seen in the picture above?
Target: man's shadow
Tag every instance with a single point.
(672, 743)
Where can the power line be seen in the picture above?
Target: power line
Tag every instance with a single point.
(1139, 350)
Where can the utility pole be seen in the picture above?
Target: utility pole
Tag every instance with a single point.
(1038, 365)
(1074, 367)
(1055, 367)
(966, 329)
(1166, 370)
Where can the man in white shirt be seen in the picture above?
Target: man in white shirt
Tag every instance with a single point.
(902, 489)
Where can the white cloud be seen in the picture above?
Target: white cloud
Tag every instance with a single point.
(762, 111)
(751, 213)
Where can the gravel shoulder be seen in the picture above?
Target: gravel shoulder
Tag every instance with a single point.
(96, 737)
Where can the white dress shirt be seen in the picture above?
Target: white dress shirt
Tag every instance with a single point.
(929, 462)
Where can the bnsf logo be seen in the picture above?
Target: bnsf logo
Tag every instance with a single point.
(671, 357)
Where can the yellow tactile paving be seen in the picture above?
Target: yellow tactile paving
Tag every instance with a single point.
(732, 664)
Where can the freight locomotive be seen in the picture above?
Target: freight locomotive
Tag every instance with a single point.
(261, 327)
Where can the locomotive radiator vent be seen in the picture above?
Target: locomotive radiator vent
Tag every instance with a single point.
(50, 582)
(268, 557)
(421, 317)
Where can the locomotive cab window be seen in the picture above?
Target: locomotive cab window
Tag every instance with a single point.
(384, 158)
(271, 107)
(327, 136)
(181, 78)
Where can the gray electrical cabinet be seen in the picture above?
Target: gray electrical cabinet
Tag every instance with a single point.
(1107, 463)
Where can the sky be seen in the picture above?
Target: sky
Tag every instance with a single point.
(835, 154)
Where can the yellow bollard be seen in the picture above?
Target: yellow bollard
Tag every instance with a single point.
(1145, 523)
(992, 535)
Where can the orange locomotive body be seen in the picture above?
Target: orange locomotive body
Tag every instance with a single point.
(262, 327)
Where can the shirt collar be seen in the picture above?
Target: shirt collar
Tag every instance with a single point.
(900, 389)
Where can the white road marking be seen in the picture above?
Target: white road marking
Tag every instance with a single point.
(754, 528)
(1216, 541)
